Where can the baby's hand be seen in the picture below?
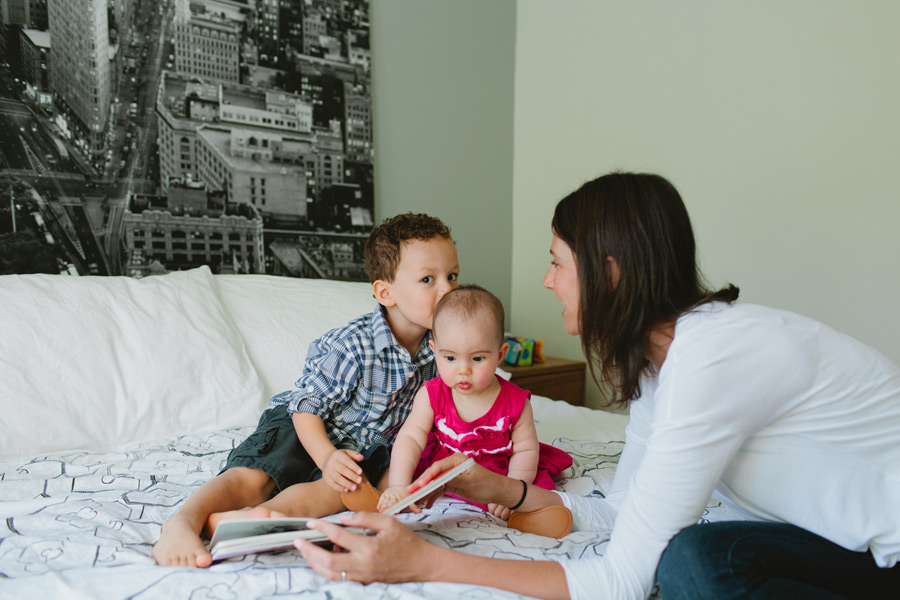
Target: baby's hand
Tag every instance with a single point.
(341, 472)
(391, 496)
(498, 510)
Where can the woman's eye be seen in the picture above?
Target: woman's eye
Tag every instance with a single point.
(428, 279)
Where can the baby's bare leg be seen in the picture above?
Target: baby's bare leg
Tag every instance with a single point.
(179, 542)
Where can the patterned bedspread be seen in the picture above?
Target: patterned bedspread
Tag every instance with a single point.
(82, 525)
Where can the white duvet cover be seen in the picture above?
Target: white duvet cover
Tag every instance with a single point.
(82, 524)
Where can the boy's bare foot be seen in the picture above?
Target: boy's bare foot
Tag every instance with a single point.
(180, 546)
(258, 512)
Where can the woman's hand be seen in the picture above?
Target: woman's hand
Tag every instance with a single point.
(476, 483)
(394, 554)
(479, 485)
(341, 471)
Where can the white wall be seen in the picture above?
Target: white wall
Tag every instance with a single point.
(442, 77)
(779, 123)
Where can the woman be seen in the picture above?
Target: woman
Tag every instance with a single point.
(791, 423)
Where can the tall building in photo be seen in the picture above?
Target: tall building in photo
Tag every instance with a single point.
(314, 27)
(16, 15)
(28, 13)
(80, 74)
(261, 146)
(207, 41)
(291, 23)
(36, 58)
(268, 30)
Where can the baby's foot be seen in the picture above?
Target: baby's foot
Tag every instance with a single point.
(258, 512)
(363, 498)
(180, 546)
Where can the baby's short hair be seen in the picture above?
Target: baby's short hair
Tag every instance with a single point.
(470, 301)
(382, 251)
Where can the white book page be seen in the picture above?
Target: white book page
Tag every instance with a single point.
(431, 487)
(242, 528)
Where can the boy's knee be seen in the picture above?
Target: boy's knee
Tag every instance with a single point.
(252, 480)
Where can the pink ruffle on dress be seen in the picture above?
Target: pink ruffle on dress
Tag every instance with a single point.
(488, 438)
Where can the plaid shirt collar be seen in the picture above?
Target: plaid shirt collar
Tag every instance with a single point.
(384, 339)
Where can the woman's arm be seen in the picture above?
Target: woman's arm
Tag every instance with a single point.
(396, 554)
(484, 487)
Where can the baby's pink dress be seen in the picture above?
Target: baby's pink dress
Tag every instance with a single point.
(488, 438)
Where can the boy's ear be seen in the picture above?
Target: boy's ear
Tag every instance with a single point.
(431, 344)
(381, 289)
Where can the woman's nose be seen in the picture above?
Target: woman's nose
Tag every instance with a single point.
(548, 279)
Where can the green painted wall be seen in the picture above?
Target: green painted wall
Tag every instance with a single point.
(443, 124)
(779, 122)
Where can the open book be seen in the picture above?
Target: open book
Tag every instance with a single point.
(432, 486)
(249, 536)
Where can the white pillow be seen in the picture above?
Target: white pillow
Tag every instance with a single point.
(100, 362)
(278, 317)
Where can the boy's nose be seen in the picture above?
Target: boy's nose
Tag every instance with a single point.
(445, 287)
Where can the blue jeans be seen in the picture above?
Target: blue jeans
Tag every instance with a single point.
(746, 559)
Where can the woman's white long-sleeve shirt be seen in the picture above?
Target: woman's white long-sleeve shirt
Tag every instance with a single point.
(785, 418)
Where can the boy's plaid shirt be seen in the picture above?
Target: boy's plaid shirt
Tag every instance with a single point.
(360, 381)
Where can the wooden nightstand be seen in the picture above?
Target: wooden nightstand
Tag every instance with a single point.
(556, 378)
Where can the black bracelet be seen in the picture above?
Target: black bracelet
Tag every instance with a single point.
(522, 499)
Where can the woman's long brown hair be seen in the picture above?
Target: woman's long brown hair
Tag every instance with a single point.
(640, 220)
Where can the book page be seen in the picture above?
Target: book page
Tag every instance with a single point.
(429, 488)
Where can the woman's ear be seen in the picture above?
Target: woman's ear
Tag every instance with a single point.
(614, 273)
(381, 289)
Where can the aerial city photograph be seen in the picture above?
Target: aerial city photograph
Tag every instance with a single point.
(139, 137)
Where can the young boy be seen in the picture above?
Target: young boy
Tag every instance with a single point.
(313, 444)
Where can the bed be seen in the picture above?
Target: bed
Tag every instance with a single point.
(96, 452)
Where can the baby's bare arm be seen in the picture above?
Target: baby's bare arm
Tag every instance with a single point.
(526, 448)
(411, 441)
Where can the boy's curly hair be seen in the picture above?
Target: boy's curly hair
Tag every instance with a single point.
(382, 251)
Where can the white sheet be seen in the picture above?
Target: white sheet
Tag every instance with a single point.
(82, 524)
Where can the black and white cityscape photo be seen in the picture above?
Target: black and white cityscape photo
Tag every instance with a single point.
(139, 137)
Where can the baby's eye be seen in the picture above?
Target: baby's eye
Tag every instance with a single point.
(478, 358)
(449, 358)
(453, 276)
(427, 279)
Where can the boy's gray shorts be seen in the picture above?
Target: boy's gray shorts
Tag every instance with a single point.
(275, 449)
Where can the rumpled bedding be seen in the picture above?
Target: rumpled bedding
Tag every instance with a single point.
(82, 524)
